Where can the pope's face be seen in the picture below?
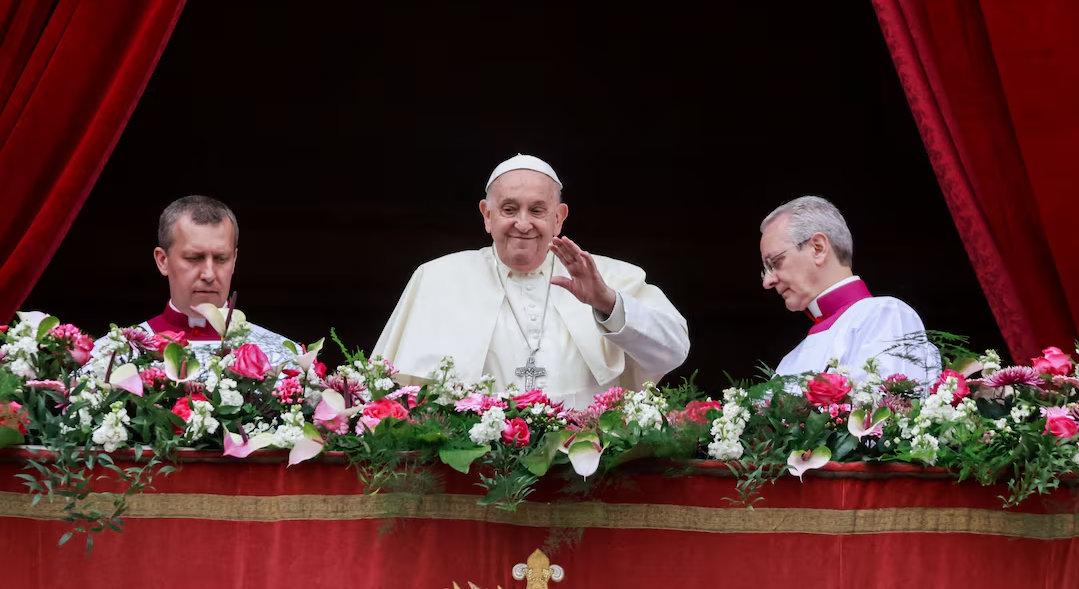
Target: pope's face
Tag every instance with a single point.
(522, 214)
(199, 264)
(793, 267)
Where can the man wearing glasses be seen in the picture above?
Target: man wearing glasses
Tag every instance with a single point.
(807, 251)
(534, 310)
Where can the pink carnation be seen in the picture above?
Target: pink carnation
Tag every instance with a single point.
(154, 378)
(479, 403)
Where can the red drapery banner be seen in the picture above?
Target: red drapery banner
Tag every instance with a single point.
(255, 523)
(71, 72)
(992, 86)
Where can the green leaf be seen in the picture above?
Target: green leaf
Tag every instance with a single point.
(290, 347)
(47, 324)
(35, 500)
(65, 538)
(611, 421)
(814, 432)
(460, 459)
(539, 460)
(10, 437)
(844, 444)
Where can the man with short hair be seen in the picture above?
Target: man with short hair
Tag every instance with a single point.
(534, 310)
(198, 239)
(807, 251)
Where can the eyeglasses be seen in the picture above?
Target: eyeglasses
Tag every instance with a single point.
(770, 263)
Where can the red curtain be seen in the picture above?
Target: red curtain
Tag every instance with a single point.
(71, 72)
(992, 86)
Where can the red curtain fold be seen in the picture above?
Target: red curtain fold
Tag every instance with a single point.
(981, 79)
(71, 73)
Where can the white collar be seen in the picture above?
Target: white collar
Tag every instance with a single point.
(505, 271)
(814, 308)
(191, 321)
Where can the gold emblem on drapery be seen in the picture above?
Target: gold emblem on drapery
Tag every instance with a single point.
(537, 572)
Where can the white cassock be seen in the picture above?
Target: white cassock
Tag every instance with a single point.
(858, 327)
(471, 306)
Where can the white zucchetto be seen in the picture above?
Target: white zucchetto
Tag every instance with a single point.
(523, 162)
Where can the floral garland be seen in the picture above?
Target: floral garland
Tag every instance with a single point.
(161, 392)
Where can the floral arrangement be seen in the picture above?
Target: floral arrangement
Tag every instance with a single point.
(161, 392)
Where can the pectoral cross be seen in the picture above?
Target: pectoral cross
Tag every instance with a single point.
(530, 371)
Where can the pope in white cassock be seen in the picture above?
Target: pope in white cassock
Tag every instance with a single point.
(807, 252)
(534, 310)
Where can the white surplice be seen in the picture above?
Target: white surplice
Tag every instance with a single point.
(470, 306)
(271, 344)
(884, 328)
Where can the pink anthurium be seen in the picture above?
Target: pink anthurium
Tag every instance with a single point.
(801, 461)
(127, 377)
(308, 447)
(180, 364)
(235, 445)
(584, 451)
(862, 423)
(332, 406)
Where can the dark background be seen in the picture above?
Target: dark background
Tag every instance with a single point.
(353, 143)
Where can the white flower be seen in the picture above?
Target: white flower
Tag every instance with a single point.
(990, 362)
(1000, 423)
(645, 407)
(230, 397)
(291, 430)
(384, 384)
(1020, 412)
(111, 434)
(725, 449)
(490, 427)
(22, 368)
(93, 399)
(211, 381)
(924, 447)
(201, 421)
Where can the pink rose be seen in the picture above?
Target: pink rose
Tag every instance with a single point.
(1059, 423)
(962, 390)
(162, 339)
(250, 362)
(516, 432)
(183, 408)
(375, 412)
(320, 369)
(1053, 361)
(827, 389)
(533, 397)
(80, 351)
